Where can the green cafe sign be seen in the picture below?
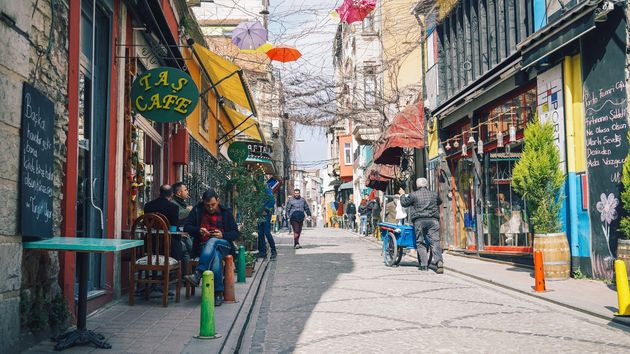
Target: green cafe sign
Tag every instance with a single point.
(164, 94)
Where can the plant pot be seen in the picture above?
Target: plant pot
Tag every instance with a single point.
(623, 252)
(556, 255)
(249, 270)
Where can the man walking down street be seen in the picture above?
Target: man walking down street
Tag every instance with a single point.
(425, 215)
(264, 229)
(213, 228)
(351, 212)
(363, 215)
(297, 209)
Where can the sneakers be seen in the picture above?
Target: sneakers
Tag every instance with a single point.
(194, 279)
(439, 267)
(218, 299)
(273, 257)
(423, 268)
(297, 246)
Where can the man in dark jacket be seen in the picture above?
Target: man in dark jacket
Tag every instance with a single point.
(264, 228)
(297, 209)
(423, 211)
(351, 212)
(213, 229)
(164, 205)
(180, 198)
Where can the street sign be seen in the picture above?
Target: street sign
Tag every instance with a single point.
(238, 151)
(164, 94)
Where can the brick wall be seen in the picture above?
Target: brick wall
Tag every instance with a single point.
(25, 57)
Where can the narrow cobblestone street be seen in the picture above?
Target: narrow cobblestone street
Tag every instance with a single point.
(336, 296)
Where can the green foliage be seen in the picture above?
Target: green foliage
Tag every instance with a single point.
(249, 258)
(577, 274)
(538, 179)
(249, 197)
(625, 197)
(37, 314)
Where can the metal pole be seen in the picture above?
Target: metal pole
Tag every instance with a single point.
(241, 264)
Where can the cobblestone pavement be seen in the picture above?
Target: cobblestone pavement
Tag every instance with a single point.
(336, 296)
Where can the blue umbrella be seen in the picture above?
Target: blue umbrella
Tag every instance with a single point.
(249, 35)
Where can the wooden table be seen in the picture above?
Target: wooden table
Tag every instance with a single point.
(82, 246)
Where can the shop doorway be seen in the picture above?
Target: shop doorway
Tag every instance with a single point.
(92, 133)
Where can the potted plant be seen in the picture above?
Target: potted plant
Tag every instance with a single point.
(623, 244)
(250, 261)
(538, 179)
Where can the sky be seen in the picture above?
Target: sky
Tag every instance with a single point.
(307, 26)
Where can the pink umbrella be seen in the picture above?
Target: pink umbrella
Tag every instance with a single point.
(355, 10)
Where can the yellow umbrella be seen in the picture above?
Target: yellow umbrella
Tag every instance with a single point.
(262, 49)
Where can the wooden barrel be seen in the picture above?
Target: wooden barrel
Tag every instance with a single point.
(623, 253)
(556, 255)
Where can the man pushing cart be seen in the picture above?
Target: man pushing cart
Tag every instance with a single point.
(423, 236)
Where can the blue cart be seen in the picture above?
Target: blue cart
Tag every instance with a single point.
(395, 239)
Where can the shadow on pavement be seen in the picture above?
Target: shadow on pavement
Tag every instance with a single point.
(296, 283)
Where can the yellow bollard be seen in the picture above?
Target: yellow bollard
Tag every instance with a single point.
(623, 289)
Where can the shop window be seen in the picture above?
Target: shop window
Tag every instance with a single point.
(505, 219)
(369, 82)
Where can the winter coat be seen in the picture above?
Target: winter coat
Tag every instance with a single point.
(422, 204)
(192, 225)
(297, 204)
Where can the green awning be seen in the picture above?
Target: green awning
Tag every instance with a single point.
(347, 185)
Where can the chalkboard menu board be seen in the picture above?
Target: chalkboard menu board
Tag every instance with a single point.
(36, 164)
(606, 126)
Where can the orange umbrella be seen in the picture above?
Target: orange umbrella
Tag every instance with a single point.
(283, 53)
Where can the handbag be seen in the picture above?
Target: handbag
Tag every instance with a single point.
(400, 211)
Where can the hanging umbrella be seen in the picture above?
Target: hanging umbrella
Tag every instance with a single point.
(355, 10)
(283, 53)
(262, 49)
(249, 35)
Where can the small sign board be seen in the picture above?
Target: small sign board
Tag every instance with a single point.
(164, 94)
(238, 151)
(36, 164)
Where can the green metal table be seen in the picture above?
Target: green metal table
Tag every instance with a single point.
(82, 246)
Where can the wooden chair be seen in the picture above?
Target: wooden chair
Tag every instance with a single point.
(155, 261)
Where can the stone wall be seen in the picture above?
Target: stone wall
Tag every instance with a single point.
(26, 56)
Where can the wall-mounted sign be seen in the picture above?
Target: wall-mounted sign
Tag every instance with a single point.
(238, 152)
(241, 151)
(36, 164)
(164, 94)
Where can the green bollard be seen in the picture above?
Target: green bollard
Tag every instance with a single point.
(241, 264)
(207, 328)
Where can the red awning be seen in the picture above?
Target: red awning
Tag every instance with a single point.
(406, 131)
(378, 176)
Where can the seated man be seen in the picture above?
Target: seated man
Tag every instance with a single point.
(213, 229)
(164, 205)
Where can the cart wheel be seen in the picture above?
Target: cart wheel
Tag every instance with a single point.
(399, 257)
(390, 249)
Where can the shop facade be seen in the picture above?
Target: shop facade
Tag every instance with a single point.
(488, 88)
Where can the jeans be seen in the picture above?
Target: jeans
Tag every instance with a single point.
(297, 230)
(428, 230)
(187, 246)
(363, 225)
(264, 231)
(350, 222)
(211, 256)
